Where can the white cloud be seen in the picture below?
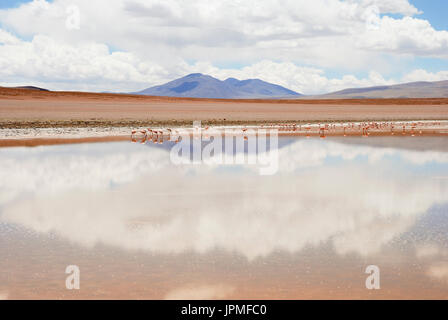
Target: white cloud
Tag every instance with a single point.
(90, 66)
(423, 75)
(405, 36)
(203, 26)
(301, 79)
(153, 41)
(47, 61)
(395, 6)
(7, 38)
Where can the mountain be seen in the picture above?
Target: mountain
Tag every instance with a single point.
(197, 85)
(32, 88)
(420, 89)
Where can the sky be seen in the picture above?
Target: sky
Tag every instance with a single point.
(308, 46)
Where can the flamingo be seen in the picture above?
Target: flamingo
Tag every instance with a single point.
(161, 137)
(143, 132)
(169, 134)
(365, 131)
(133, 132)
(322, 133)
(308, 128)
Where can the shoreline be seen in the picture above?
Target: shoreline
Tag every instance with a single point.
(130, 123)
(32, 137)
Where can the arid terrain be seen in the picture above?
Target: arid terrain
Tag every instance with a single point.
(23, 108)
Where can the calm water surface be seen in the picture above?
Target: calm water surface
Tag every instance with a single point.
(139, 226)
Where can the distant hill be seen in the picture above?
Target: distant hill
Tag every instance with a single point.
(420, 89)
(197, 85)
(32, 88)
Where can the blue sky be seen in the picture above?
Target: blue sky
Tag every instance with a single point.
(11, 3)
(435, 11)
(157, 41)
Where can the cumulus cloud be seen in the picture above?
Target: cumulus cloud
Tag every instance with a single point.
(197, 29)
(395, 6)
(43, 61)
(47, 61)
(423, 75)
(406, 35)
(135, 43)
(301, 79)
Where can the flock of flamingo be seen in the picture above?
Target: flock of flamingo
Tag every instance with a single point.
(364, 129)
(152, 135)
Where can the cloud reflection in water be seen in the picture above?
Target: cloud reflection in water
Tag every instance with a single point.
(142, 202)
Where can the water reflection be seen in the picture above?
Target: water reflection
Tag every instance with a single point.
(353, 200)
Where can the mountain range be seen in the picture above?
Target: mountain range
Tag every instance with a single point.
(198, 85)
(421, 89)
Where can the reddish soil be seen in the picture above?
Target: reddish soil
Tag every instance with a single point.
(30, 108)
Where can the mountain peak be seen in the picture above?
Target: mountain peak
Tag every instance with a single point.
(192, 75)
(198, 85)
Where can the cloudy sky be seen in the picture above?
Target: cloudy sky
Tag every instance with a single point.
(308, 46)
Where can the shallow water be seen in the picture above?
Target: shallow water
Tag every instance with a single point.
(139, 226)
